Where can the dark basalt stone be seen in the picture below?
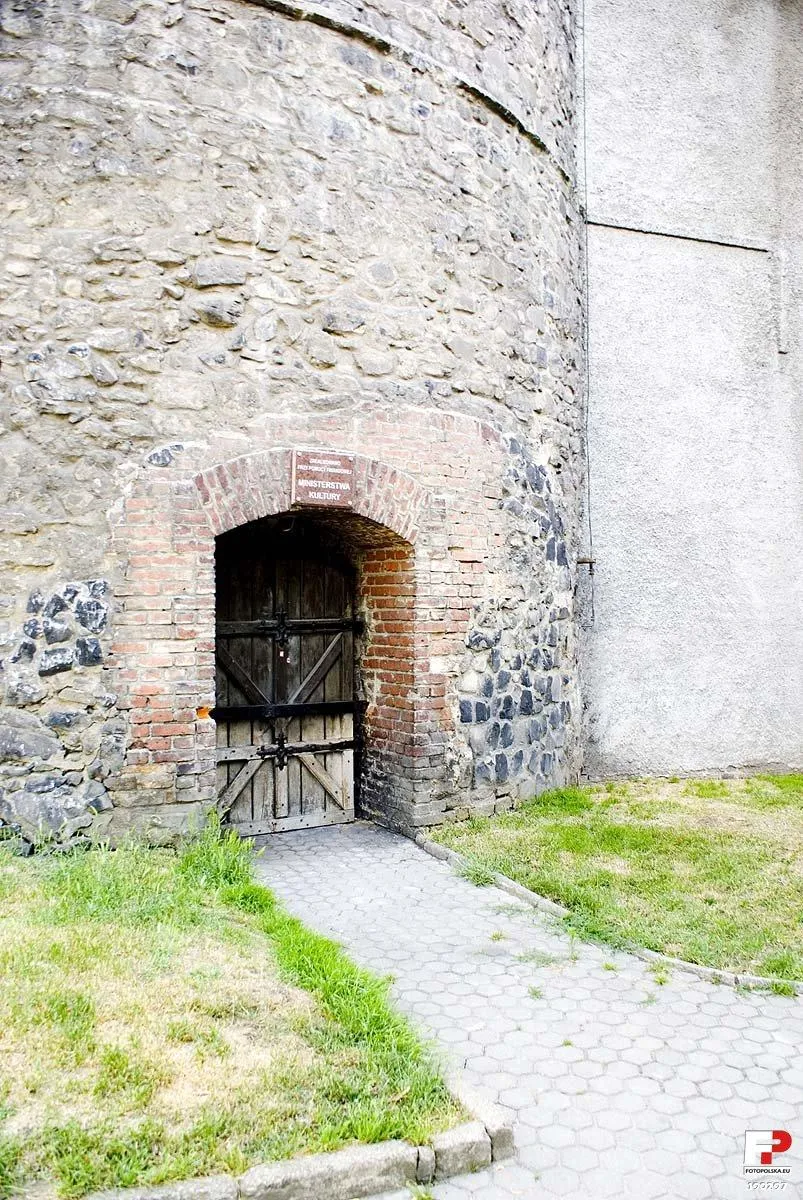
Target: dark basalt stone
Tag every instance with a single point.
(88, 652)
(24, 652)
(56, 631)
(483, 639)
(43, 783)
(54, 661)
(54, 606)
(92, 614)
(63, 719)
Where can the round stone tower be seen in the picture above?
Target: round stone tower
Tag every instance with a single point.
(238, 236)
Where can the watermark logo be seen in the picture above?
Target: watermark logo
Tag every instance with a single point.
(762, 1147)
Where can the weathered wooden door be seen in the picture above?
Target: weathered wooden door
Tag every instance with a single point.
(285, 707)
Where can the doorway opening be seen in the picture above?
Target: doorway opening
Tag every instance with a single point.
(313, 670)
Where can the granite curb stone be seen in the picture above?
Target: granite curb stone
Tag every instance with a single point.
(460, 1150)
(212, 1187)
(498, 1123)
(356, 1171)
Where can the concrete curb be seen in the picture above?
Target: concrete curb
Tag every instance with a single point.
(711, 974)
(357, 1171)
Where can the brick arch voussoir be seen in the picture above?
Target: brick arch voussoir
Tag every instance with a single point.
(253, 486)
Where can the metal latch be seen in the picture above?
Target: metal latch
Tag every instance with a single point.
(279, 751)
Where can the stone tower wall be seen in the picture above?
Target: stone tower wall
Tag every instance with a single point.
(234, 228)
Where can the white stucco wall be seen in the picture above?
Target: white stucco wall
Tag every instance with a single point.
(694, 660)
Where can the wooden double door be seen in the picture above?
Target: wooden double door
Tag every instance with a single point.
(285, 702)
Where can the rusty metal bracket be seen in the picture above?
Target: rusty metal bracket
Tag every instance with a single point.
(281, 751)
(282, 634)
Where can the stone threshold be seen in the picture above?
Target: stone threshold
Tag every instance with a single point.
(712, 974)
(357, 1171)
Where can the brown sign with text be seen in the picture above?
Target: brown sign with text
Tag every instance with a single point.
(322, 479)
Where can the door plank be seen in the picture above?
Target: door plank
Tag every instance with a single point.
(265, 627)
(252, 750)
(261, 601)
(281, 792)
(226, 799)
(321, 669)
(323, 777)
(312, 645)
(347, 758)
(241, 677)
(255, 829)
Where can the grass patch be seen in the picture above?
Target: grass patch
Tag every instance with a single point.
(540, 957)
(710, 871)
(781, 988)
(165, 1017)
(476, 873)
(660, 974)
(789, 785)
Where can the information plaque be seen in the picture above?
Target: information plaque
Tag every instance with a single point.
(322, 479)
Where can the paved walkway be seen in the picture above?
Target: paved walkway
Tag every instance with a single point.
(620, 1087)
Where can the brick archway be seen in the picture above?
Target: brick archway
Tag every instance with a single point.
(163, 653)
(257, 485)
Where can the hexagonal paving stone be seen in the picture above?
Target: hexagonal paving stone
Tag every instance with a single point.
(560, 1181)
(620, 1088)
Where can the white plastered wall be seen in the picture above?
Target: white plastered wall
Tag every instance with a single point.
(694, 659)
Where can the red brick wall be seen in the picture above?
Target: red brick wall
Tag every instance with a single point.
(386, 583)
(418, 588)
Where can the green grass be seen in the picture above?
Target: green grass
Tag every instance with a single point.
(789, 785)
(476, 873)
(164, 1017)
(710, 871)
(540, 957)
